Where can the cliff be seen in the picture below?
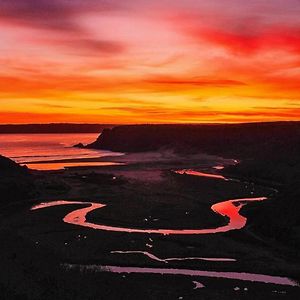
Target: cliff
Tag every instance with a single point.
(16, 183)
(9, 167)
(230, 140)
(269, 153)
(53, 128)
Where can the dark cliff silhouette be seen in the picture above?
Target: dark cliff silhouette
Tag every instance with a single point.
(9, 167)
(269, 153)
(231, 140)
(16, 183)
(54, 128)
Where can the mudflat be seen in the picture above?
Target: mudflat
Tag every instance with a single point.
(45, 257)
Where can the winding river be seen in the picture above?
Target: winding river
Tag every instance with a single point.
(167, 260)
(202, 174)
(252, 277)
(230, 209)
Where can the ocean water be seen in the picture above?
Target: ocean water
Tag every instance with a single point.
(26, 148)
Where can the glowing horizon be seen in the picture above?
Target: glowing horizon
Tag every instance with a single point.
(138, 61)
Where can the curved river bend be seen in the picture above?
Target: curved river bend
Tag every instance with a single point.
(252, 277)
(230, 209)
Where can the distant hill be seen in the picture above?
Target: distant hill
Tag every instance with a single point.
(54, 128)
(269, 154)
(228, 140)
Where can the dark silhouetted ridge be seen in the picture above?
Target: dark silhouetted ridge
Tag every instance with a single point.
(16, 183)
(54, 128)
(8, 166)
(234, 140)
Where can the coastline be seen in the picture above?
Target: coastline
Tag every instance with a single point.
(144, 193)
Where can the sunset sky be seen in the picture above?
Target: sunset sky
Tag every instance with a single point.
(149, 61)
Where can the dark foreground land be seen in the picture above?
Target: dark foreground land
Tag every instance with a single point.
(145, 194)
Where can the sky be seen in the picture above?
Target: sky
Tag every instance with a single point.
(149, 61)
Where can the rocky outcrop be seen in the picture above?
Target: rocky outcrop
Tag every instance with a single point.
(16, 183)
(79, 145)
(9, 167)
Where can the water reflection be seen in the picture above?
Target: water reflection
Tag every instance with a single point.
(167, 260)
(48, 147)
(187, 272)
(198, 173)
(229, 209)
(62, 165)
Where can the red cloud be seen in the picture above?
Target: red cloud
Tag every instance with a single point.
(246, 35)
(283, 38)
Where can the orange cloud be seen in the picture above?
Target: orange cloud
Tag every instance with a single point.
(149, 61)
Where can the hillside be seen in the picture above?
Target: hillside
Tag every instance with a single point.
(16, 183)
(231, 140)
(269, 154)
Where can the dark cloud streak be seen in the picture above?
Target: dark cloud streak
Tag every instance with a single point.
(60, 18)
(195, 81)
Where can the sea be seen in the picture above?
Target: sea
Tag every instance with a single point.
(27, 148)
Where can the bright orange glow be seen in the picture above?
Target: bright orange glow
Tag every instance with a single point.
(149, 61)
(61, 166)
